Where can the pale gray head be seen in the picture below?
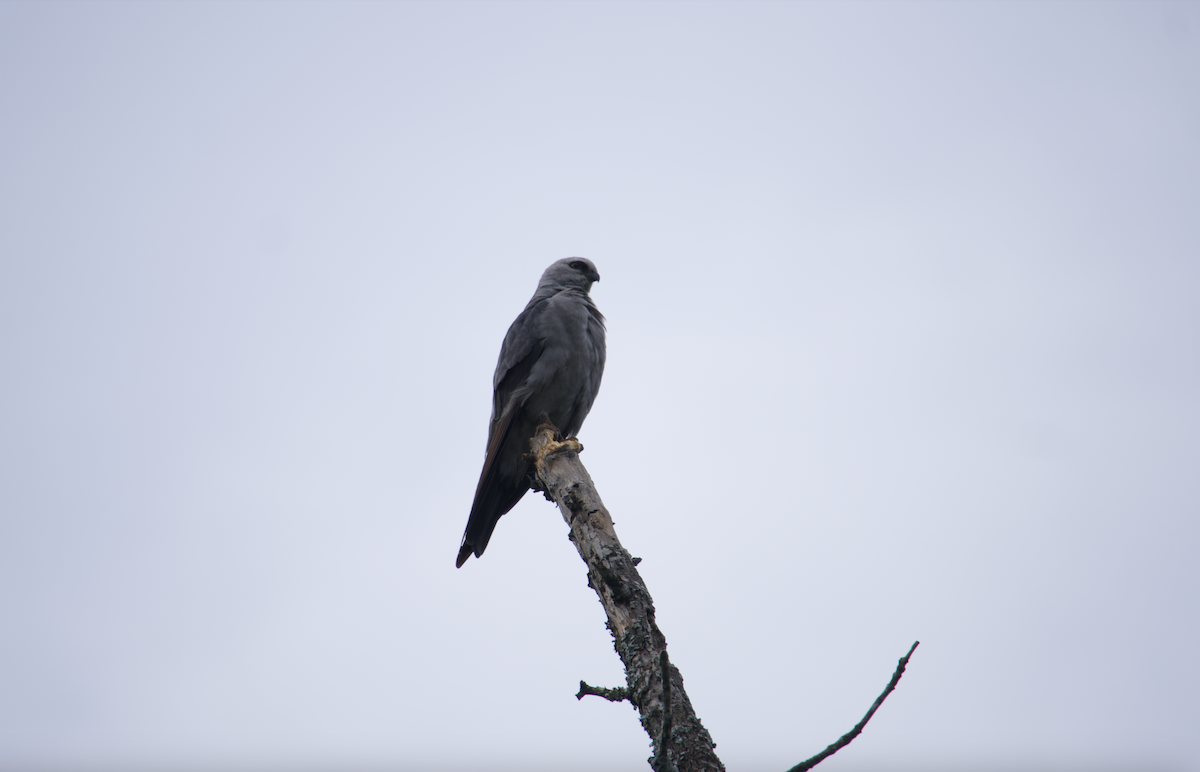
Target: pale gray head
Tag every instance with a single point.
(571, 272)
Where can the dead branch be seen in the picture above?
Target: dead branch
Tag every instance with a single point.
(681, 743)
(845, 739)
(627, 603)
(615, 694)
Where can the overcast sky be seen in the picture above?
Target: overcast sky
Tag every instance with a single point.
(904, 343)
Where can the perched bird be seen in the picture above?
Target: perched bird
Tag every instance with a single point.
(551, 362)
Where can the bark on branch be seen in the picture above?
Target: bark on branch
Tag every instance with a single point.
(627, 602)
(652, 684)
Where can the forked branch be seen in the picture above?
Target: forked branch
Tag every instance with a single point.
(636, 637)
(652, 684)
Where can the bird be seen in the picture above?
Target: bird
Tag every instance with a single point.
(551, 363)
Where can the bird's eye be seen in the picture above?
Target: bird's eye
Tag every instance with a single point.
(578, 266)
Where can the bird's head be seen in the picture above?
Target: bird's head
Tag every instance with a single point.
(571, 272)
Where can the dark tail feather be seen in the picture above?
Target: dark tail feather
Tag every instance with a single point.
(493, 495)
(464, 552)
(479, 529)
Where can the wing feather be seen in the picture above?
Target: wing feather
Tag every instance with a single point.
(495, 493)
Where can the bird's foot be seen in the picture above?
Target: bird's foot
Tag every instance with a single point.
(571, 443)
(548, 441)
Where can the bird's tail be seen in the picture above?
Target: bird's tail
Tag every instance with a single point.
(489, 507)
(464, 552)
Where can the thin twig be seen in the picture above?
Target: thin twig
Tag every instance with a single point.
(846, 738)
(662, 762)
(615, 694)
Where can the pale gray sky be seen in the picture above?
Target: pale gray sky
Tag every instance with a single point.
(904, 308)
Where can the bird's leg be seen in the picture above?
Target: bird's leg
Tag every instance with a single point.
(556, 443)
(546, 425)
(571, 443)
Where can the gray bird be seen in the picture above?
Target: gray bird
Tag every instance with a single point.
(551, 362)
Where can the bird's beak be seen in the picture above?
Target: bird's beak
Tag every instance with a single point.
(594, 276)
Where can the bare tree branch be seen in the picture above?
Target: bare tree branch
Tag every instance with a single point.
(857, 730)
(680, 741)
(627, 602)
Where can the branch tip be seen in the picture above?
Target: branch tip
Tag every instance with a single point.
(845, 739)
(615, 694)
